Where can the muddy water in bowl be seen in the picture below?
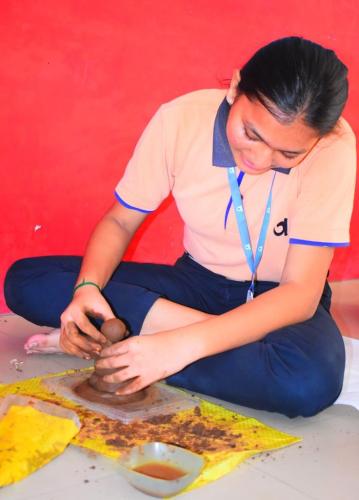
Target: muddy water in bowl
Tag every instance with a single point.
(175, 466)
(160, 470)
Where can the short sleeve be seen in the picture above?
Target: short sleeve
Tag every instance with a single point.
(147, 180)
(322, 212)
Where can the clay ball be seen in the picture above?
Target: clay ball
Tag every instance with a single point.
(113, 329)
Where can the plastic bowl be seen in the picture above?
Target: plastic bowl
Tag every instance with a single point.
(168, 454)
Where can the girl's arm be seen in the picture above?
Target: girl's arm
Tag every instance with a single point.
(293, 301)
(104, 252)
(108, 243)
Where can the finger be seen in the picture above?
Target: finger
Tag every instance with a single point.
(74, 351)
(122, 375)
(77, 344)
(107, 314)
(88, 328)
(118, 361)
(117, 348)
(93, 350)
(83, 342)
(86, 345)
(102, 311)
(69, 348)
(132, 386)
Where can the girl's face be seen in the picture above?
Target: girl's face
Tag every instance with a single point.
(259, 142)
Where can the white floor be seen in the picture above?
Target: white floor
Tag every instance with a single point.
(324, 466)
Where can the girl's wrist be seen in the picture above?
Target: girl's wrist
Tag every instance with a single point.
(201, 340)
(190, 347)
(81, 285)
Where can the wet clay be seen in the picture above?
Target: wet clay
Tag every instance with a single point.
(88, 392)
(114, 330)
(95, 389)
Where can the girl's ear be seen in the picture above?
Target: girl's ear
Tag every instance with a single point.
(232, 91)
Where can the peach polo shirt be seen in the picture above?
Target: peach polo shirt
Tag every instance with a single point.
(184, 150)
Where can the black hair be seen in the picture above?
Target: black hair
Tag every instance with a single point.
(295, 77)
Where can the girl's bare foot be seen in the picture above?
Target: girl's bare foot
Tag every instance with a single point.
(41, 343)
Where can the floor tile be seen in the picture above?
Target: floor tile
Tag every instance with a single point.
(85, 483)
(11, 348)
(324, 465)
(11, 324)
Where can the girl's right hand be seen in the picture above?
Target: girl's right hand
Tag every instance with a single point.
(78, 336)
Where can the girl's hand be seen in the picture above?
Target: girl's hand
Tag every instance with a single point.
(75, 323)
(145, 359)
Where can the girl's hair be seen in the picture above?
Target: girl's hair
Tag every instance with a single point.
(295, 77)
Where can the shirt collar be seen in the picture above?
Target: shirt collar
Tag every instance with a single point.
(221, 153)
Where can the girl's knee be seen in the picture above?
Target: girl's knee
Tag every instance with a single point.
(13, 282)
(17, 267)
(310, 392)
(34, 286)
(24, 269)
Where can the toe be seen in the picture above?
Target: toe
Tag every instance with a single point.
(43, 343)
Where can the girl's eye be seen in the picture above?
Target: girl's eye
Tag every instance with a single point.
(289, 157)
(254, 138)
(250, 137)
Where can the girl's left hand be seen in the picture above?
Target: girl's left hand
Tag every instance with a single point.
(145, 359)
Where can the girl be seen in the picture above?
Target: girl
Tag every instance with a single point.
(263, 177)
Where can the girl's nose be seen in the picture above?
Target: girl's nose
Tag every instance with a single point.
(261, 155)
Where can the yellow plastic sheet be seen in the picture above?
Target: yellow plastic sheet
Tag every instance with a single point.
(29, 439)
(234, 437)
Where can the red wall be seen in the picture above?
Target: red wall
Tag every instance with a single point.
(79, 80)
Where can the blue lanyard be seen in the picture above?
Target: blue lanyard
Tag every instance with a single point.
(239, 182)
(253, 261)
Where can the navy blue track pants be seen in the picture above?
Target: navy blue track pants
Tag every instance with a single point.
(296, 370)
